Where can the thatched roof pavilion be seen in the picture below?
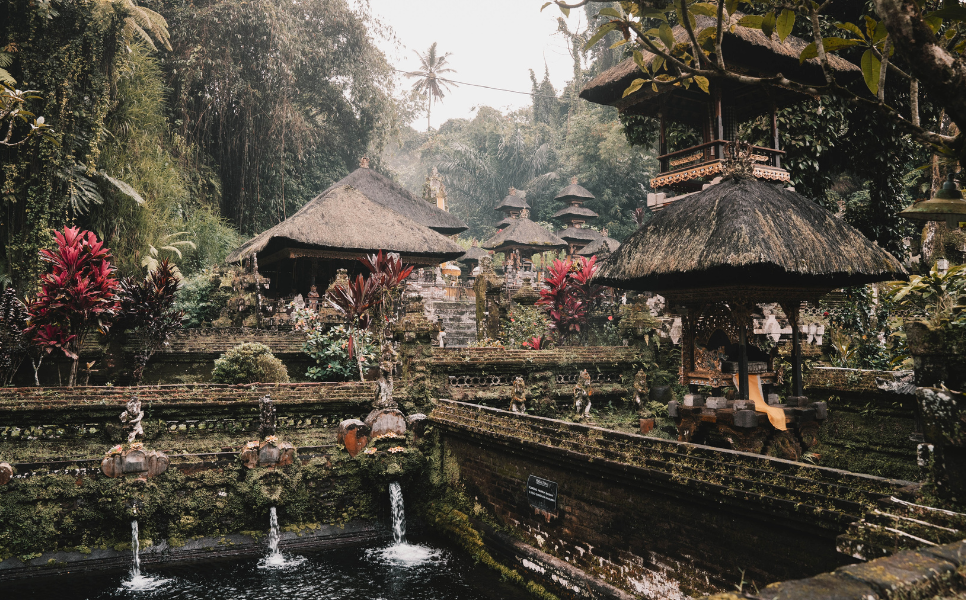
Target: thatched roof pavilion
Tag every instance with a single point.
(474, 254)
(746, 233)
(722, 250)
(333, 230)
(512, 205)
(573, 192)
(601, 246)
(387, 193)
(526, 236)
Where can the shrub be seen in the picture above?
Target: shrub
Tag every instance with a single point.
(523, 324)
(202, 298)
(249, 363)
(330, 351)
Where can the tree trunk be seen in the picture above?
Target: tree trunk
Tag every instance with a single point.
(72, 381)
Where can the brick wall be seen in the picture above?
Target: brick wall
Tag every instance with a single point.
(654, 517)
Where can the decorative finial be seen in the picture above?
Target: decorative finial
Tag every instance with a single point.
(573, 180)
(738, 162)
(604, 232)
(513, 191)
(364, 162)
(474, 242)
(524, 214)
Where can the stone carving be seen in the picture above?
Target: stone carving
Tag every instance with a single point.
(386, 420)
(354, 435)
(134, 461)
(6, 473)
(640, 388)
(270, 453)
(384, 386)
(313, 298)
(131, 417)
(266, 413)
(582, 394)
(518, 401)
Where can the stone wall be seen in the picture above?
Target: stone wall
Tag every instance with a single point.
(654, 517)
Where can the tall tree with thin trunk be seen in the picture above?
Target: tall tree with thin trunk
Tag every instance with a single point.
(431, 66)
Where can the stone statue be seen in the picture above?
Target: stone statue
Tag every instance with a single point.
(582, 393)
(267, 421)
(313, 298)
(640, 388)
(131, 417)
(518, 401)
(385, 384)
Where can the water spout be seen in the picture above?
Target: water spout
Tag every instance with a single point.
(275, 558)
(398, 513)
(139, 582)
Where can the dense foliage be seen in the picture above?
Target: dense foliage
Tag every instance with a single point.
(249, 362)
(329, 348)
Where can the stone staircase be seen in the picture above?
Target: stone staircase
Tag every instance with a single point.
(893, 525)
(459, 320)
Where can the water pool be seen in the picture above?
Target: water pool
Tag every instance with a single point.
(424, 571)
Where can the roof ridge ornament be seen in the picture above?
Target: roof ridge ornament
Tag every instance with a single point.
(364, 162)
(573, 180)
(524, 214)
(513, 191)
(737, 161)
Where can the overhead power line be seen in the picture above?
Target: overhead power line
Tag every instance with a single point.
(475, 84)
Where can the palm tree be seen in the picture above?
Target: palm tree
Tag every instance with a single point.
(431, 66)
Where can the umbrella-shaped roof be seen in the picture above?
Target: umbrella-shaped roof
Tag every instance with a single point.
(742, 233)
(342, 222)
(578, 234)
(567, 213)
(389, 194)
(524, 234)
(574, 192)
(474, 254)
(512, 202)
(601, 244)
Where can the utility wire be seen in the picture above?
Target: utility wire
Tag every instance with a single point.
(475, 84)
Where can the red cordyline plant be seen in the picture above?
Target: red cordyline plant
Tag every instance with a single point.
(369, 299)
(569, 294)
(77, 295)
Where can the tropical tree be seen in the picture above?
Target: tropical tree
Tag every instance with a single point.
(77, 295)
(431, 66)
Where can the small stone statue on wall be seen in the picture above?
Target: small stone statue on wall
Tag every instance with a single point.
(131, 417)
(640, 388)
(267, 422)
(582, 393)
(384, 388)
(518, 401)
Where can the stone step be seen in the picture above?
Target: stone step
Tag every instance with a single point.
(895, 525)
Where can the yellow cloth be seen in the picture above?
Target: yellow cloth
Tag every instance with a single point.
(775, 414)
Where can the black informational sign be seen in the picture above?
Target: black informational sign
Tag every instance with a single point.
(542, 493)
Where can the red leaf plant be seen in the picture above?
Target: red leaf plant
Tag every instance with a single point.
(77, 295)
(569, 294)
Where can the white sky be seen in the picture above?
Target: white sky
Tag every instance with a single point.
(492, 42)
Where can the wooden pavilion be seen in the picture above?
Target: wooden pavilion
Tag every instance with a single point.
(524, 235)
(574, 214)
(709, 121)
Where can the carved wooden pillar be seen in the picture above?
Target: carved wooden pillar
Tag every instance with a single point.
(741, 313)
(792, 310)
(689, 322)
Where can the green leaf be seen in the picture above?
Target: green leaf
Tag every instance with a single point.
(702, 83)
(933, 22)
(836, 44)
(953, 13)
(564, 10)
(870, 71)
(667, 36)
(768, 23)
(752, 21)
(545, 5)
(786, 21)
(731, 6)
(610, 12)
(654, 13)
(705, 8)
(852, 28)
(634, 86)
(657, 63)
(880, 32)
(639, 60)
(601, 32)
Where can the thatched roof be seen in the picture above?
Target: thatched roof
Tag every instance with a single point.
(598, 245)
(578, 234)
(386, 192)
(346, 221)
(524, 234)
(505, 222)
(512, 202)
(575, 211)
(574, 192)
(745, 49)
(746, 233)
(474, 254)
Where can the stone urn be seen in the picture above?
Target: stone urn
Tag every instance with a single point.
(269, 453)
(134, 460)
(6, 473)
(938, 355)
(354, 435)
(944, 429)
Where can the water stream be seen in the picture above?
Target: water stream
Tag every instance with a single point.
(401, 553)
(137, 581)
(398, 513)
(275, 558)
